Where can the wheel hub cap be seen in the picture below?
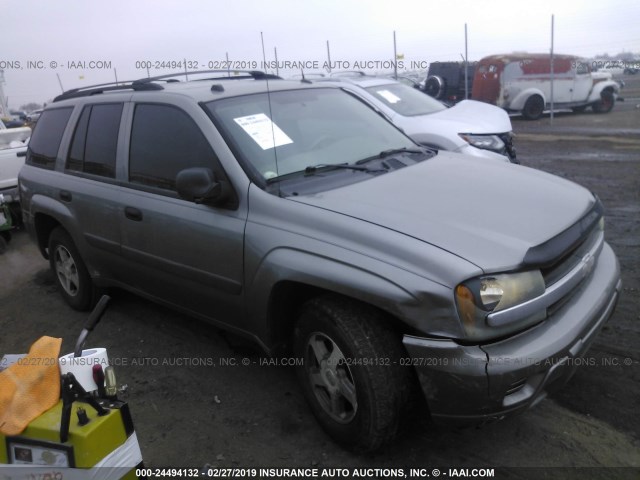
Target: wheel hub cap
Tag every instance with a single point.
(331, 378)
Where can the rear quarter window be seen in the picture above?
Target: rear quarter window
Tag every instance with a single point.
(45, 142)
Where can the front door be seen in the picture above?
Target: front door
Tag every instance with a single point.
(187, 254)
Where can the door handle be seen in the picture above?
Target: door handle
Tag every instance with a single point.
(133, 214)
(65, 195)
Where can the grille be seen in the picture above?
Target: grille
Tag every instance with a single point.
(509, 149)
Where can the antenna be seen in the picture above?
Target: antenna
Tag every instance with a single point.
(273, 133)
(60, 82)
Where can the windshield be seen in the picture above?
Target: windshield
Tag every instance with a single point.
(405, 100)
(308, 127)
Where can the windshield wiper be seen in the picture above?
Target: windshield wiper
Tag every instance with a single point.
(312, 169)
(393, 151)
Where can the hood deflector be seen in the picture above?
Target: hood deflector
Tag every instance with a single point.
(554, 249)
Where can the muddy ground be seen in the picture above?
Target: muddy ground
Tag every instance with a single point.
(254, 415)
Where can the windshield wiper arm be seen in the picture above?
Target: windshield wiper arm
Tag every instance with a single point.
(312, 169)
(392, 151)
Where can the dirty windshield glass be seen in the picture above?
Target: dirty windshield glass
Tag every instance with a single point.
(289, 131)
(405, 100)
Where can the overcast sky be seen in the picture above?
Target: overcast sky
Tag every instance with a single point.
(117, 34)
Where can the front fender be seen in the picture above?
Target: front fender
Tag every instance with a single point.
(599, 87)
(402, 295)
(521, 98)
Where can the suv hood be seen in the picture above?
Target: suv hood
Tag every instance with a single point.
(471, 116)
(487, 213)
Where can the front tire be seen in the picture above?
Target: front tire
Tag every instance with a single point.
(606, 102)
(69, 270)
(351, 375)
(533, 107)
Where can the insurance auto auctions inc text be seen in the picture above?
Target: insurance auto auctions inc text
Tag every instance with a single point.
(374, 472)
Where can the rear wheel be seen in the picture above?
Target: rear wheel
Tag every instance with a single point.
(351, 375)
(533, 107)
(70, 272)
(606, 102)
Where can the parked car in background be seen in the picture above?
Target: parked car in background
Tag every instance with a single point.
(522, 83)
(13, 151)
(34, 116)
(472, 128)
(12, 122)
(18, 115)
(446, 81)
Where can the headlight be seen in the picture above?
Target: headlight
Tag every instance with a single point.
(485, 142)
(479, 297)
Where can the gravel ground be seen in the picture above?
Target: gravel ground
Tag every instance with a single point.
(254, 415)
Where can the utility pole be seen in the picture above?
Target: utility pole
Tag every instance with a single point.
(466, 65)
(551, 60)
(395, 57)
(4, 108)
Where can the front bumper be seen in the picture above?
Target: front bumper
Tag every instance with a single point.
(484, 382)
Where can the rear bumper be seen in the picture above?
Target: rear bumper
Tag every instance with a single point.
(485, 382)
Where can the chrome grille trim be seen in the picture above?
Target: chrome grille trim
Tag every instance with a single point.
(554, 293)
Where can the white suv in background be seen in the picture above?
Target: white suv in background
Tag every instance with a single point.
(469, 127)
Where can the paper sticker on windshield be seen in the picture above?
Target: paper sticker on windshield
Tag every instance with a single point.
(388, 96)
(263, 131)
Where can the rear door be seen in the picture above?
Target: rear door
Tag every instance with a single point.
(90, 191)
(186, 254)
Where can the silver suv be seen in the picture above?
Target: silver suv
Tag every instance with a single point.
(296, 215)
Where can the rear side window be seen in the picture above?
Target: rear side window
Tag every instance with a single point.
(164, 141)
(45, 142)
(93, 149)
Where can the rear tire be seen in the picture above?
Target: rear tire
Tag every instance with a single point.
(351, 375)
(70, 272)
(606, 102)
(533, 107)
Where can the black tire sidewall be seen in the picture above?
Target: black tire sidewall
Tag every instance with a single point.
(362, 434)
(600, 106)
(532, 109)
(83, 299)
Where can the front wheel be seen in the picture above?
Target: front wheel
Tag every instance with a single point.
(533, 107)
(70, 272)
(351, 375)
(606, 102)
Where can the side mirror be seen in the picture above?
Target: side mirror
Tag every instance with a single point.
(200, 185)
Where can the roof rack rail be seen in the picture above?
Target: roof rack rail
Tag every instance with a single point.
(106, 87)
(348, 73)
(255, 74)
(149, 83)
